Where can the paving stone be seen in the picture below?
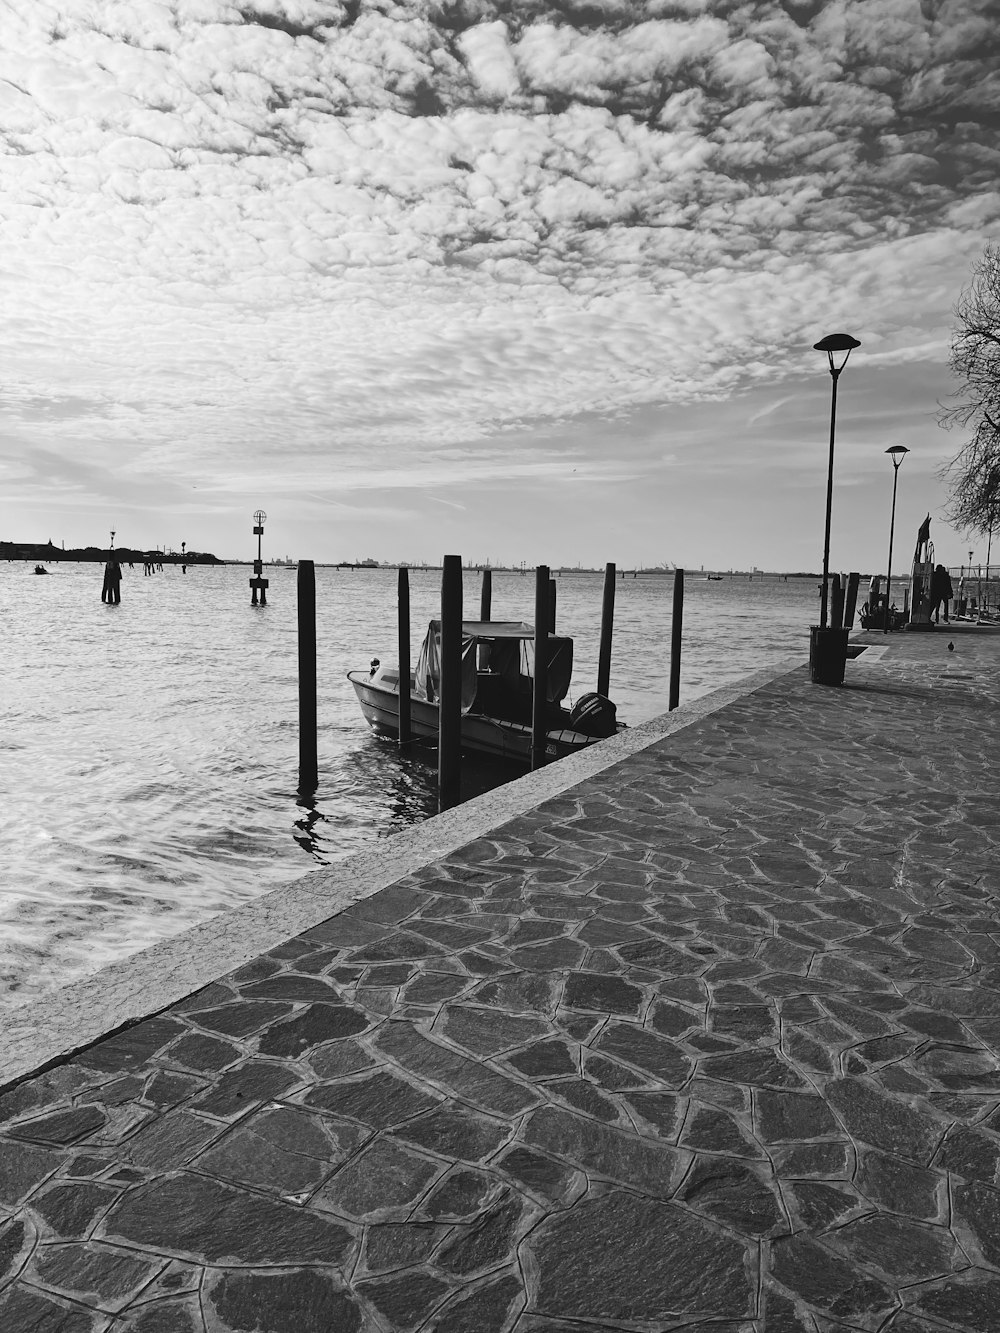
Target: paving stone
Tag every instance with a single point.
(15, 1244)
(604, 1260)
(968, 1302)
(291, 986)
(517, 993)
(602, 1150)
(204, 1054)
(543, 1059)
(240, 1089)
(884, 1121)
(455, 1133)
(203, 1220)
(468, 1078)
(393, 1245)
(381, 1180)
(659, 1109)
(137, 1044)
(283, 1149)
(784, 1117)
(339, 1059)
(166, 1088)
(538, 1174)
(460, 1195)
(293, 1301)
(808, 1051)
(752, 1022)
(42, 1092)
(711, 1130)
(22, 1167)
(611, 1075)
(977, 1207)
(317, 1024)
(899, 1185)
(487, 1031)
(487, 1310)
(405, 1302)
(733, 1193)
(380, 1100)
(92, 1273)
(905, 1250)
(487, 1243)
(583, 1096)
(661, 957)
(612, 995)
(648, 1051)
(394, 948)
(820, 1204)
(972, 1154)
(172, 1316)
(71, 1209)
(803, 1266)
(61, 1127)
(171, 1141)
(28, 1311)
(432, 989)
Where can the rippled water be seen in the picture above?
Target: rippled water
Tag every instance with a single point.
(148, 751)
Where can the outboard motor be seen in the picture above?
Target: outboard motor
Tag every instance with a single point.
(594, 715)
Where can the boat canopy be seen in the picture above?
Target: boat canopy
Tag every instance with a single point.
(501, 649)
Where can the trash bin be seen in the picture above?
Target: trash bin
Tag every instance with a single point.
(827, 655)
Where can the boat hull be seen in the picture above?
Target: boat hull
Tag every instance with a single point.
(483, 734)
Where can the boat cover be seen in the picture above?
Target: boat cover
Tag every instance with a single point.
(510, 654)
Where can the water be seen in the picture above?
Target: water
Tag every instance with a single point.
(148, 751)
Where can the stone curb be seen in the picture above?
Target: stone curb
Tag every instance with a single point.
(51, 1027)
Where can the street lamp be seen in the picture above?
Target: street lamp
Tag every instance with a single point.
(833, 342)
(897, 452)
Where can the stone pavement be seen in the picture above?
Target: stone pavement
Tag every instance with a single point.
(708, 1042)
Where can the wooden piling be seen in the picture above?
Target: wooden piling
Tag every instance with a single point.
(486, 596)
(403, 599)
(607, 629)
(539, 690)
(306, 599)
(552, 606)
(450, 702)
(676, 630)
(851, 600)
(837, 603)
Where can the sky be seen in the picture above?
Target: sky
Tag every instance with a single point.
(520, 280)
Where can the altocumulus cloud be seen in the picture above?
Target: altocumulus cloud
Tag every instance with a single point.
(258, 234)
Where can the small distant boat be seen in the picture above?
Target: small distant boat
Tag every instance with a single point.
(714, 578)
(40, 569)
(497, 683)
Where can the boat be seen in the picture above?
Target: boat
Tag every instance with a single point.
(497, 685)
(40, 569)
(714, 578)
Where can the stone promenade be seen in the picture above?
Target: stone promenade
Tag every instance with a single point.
(708, 1042)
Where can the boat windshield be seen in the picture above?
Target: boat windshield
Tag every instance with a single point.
(501, 650)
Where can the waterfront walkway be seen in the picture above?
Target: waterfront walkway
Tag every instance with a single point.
(708, 1041)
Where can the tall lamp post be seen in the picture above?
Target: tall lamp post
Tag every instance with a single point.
(833, 342)
(897, 453)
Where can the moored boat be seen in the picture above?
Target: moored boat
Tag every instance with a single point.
(497, 685)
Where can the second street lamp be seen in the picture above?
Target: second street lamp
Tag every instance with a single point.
(897, 453)
(833, 342)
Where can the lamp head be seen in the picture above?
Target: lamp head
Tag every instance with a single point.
(897, 452)
(837, 342)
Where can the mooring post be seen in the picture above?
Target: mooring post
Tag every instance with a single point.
(837, 603)
(403, 600)
(539, 688)
(851, 600)
(450, 702)
(676, 630)
(552, 606)
(258, 583)
(308, 760)
(607, 628)
(485, 614)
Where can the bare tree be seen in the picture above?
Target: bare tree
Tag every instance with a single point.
(974, 473)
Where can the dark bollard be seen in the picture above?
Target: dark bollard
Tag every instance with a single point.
(539, 688)
(486, 596)
(676, 629)
(308, 758)
(450, 703)
(837, 603)
(111, 591)
(851, 600)
(552, 606)
(403, 600)
(607, 628)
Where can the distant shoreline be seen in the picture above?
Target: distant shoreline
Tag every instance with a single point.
(45, 553)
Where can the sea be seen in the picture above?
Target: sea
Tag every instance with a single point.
(149, 750)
